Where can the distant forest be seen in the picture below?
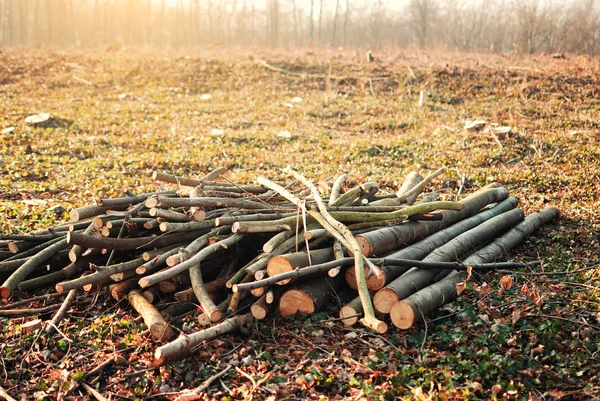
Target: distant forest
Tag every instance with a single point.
(524, 26)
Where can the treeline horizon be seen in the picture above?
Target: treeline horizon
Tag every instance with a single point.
(524, 26)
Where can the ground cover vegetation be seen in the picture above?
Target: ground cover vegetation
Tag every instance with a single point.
(118, 116)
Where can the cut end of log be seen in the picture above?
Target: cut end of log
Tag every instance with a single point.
(351, 278)
(58, 287)
(215, 316)
(163, 226)
(173, 260)
(257, 292)
(200, 215)
(278, 265)
(97, 223)
(152, 202)
(295, 301)
(349, 316)
(259, 311)
(13, 247)
(143, 283)
(365, 247)
(267, 248)
(402, 315)
(235, 227)
(69, 241)
(375, 283)
(384, 300)
(31, 326)
(379, 326)
(74, 215)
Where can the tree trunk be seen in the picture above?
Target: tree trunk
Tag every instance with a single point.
(407, 312)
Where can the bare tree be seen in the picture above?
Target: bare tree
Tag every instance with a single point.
(335, 14)
(421, 13)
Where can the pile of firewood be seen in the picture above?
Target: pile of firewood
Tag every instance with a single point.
(268, 248)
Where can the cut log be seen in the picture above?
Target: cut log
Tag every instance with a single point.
(291, 261)
(415, 279)
(308, 297)
(86, 212)
(31, 326)
(185, 343)
(392, 238)
(157, 325)
(207, 203)
(420, 304)
(261, 308)
(422, 248)
(130, 244)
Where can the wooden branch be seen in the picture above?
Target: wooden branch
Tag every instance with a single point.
(197, 258)
(351, 195)
(337, 188)
(230, 219)
(184, 343)
(86, 212)
(131, 244)
(62, 311)
(26, 268)
(207, 202)
(170, 215)
(152, 264)
(418, 188)
(157, 326)
(203, 296)
(297, 260)
(412, 179)
(369, 319)
(263, 228)
(102, 273)
(170, 227)
(194, 247)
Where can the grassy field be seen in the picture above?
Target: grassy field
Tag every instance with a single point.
(120, 116)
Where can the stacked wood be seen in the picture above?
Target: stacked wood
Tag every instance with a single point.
(220, 249)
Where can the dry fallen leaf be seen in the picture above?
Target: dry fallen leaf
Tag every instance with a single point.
(506, 282)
